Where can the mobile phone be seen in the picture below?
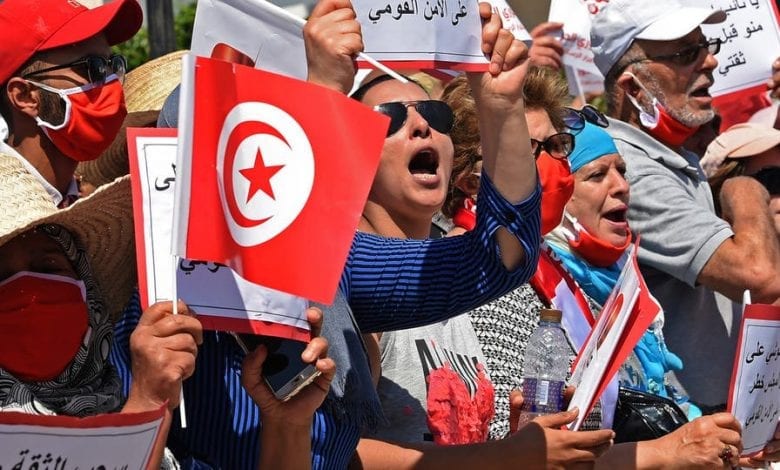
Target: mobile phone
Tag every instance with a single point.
(284, 371)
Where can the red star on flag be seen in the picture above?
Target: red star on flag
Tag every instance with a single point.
(259, 177)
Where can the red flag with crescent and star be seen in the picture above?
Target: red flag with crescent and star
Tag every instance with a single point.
(274, 173)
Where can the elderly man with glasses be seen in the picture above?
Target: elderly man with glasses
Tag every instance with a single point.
(62, 96)
(658, 67)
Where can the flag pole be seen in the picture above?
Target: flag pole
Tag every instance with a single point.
(182, 411)
(379, 65)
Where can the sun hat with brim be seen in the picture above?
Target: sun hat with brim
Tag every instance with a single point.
(27, 27)
(101, 223)
(739, 141)
(614, 28)
(146, 88)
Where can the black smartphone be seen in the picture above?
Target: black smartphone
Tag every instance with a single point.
(283, 370)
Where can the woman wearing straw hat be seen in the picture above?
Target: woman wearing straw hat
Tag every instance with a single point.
(63, 281)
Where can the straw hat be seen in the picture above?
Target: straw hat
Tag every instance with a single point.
(146, 88)
(101, 223)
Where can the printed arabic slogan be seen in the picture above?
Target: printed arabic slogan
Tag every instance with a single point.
(223, 299)
(422, 34)
(117, 441)
(754, 398)
(751, 42)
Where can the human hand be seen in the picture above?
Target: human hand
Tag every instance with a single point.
(702, 443)
(547, 48)
(516, 406)
(298, 410)
(503, 82)
(770, 453)
(163, 349)
(332, 38)
(774, 83)
(551, 447)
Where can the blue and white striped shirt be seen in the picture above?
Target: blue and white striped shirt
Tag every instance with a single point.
(390, 284)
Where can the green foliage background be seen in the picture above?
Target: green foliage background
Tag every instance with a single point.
(137, 49)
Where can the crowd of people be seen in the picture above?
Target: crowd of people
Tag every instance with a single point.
(493, 190)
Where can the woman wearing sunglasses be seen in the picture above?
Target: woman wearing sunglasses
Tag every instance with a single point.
(434, 384)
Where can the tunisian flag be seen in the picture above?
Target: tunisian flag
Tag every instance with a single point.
(273, 175)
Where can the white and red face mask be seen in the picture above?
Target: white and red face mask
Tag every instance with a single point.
(93, 116)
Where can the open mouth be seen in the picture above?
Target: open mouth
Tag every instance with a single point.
(616, 215)
(702, 91)
(424, 163)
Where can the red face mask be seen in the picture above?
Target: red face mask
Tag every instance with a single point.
(594, 250)
(557, 188)
(43, 320)
(662, 125)
(93, 116)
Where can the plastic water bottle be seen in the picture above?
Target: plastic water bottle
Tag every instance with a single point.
(545, 367)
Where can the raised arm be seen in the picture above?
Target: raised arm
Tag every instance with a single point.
(506, 145)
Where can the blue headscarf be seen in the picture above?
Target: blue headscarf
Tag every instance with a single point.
(593, 142)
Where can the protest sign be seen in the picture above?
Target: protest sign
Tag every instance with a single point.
(256, 33)
(272, 177)
(751, 42)
(754, 395)
(417, 34)
(122, 441)
(575, 16)
(626, 315)
(510, 21)
(224, 300)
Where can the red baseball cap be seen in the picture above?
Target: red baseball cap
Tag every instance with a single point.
(27, 27)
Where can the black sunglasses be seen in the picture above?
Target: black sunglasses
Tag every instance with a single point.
(558, 145)
(574, 119)
(686, 56)
(437, 113)
(770, 178)
(98, 67)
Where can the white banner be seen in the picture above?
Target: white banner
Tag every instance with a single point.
(120, 441)
(423, 33)
(510, 21)
(755, 384)
(751, 42)
(575, 16)
(250, 32)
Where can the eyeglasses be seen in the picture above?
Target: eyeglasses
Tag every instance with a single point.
(438, 114)
(686, 56)
(770, 178)
(574, 119)
(98, 67)
(558, 145)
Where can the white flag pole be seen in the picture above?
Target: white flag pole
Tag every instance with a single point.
(182, 411)
(301, 22)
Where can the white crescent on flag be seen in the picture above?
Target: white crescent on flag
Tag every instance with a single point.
(265, 165)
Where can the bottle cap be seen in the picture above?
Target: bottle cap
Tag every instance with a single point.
(550, 314)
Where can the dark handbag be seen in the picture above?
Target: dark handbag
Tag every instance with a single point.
(641, 416)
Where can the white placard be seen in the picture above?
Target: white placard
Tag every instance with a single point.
(751, 42)
(422, 33)
(223, 299)
(755, 385)
(250, 32)
(107, 442)
(575, 16)
(510, 21)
